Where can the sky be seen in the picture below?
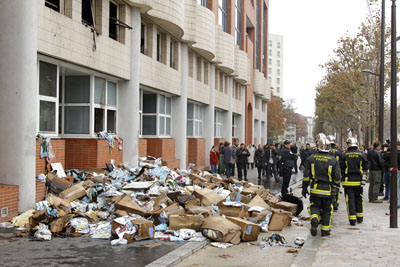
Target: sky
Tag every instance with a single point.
(311, 29)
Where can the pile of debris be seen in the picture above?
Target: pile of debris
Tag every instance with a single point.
(153, 202)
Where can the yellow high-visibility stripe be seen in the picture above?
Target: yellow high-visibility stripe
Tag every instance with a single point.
(306, 179)
(330, 173)
(361, 168)
(348, 183)
(312, 216)
(309, 208)
(313, 170)
(320, 192)
(360, 215)
(338, 196)
(346, 170)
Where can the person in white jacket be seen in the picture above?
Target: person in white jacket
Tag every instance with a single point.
(251, 148)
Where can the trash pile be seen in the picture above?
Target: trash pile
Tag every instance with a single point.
(153, 202)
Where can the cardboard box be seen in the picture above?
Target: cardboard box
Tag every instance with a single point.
(208, 197)
(257, 201)
(58, 185)
(220, 229)
(241, 212)
(205, 211)
(286, 206)
(74, 192)
(267, 196)
(236, 196)
(177, 222)
(188, 200)
(162, 201)
(58, 225)
(250, 231)
(127, 204)
(257, 217)
(174, 209)
(144, 230)
(279, 219)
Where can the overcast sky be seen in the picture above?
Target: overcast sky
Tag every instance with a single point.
(311, 29)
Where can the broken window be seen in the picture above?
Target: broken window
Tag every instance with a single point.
(88, 10)
(53, 4)
(158, 47)
(113, 33)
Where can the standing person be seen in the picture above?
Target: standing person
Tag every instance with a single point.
(265, 173)
(221, 165)
(235, 147)
(252, 151)
(287, 162)
(294, 150)
(242, 155)
(334, 151)
(386, 174)
(302, 152)
(227, 152)
(214, 155)
(354, 165)
(259, 160)
(375, 173)
(322, 172)
(271, 159)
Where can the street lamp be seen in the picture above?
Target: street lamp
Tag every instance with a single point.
(393, 124)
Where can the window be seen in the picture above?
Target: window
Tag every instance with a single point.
(278, 63)
(269, 79)
(226, 85)
(105, 102)
(278, 81)
(269, 70)
(278, 89)
(270, 52)
(191, 59)
(223, 14)
(258, 33)
(158, 47)
(238, 23)
(113, 19)
(143, 39)
(256, 105)
(216, 79)
(88, 12)
(270, 44)
(234, 124)
(263, 106)
(205, 72)
(53, 4)
(270, 61)
(202, 2)
(218, 123)
(279, 44)
(155, 114)
(278, 53)
(221, 81)
(278, 71)
(48, 88)
(198, 68)
(194, 120)
(173, 54)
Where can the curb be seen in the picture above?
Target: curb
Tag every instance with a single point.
(179, 254)
(307, 253)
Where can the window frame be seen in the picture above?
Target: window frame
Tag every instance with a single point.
(234, 125)
(223, 14)
(202, 2)
(117, 35)
(218, 123)
(198, 118)
(238, 23)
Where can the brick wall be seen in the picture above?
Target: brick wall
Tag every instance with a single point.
(90, 153)
(40, 191)
(143, 147)
(196, 148)
(58, 146)
(164, 148)
(9, 198)
(217, 141)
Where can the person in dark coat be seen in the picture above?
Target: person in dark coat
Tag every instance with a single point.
(227, 152)
(271, 160)
(259, 161)
(294, 150)
(287, 162)
(242, 153)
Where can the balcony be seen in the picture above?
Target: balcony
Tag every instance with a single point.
(259, 83)
(267, 90)
(241, 66)
(200, 29)
(225, 49)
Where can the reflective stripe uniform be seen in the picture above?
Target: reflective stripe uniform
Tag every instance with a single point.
(353, 165)
(321, 172)
(337, 153)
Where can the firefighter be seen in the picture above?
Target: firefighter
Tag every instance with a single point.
(321, 172)
(337, 153)
(354, 165)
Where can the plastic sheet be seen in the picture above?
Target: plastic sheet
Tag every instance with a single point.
(80, 224)
(43, 233)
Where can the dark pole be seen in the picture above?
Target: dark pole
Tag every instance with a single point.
(341, 136)
(393, 125)
(321, 126)
(382, 76)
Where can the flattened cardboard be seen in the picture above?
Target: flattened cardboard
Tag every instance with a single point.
(250, 231)
(286, 206)
(208, 197)
(238, 197)
(74, 192)
(257, 201)
(187, 221)
(267, 196)
(59, 224)
(162, 201)
(228, 231)
(257, 217)
(205, 211)
(279, 219)
(241, 212)
(144, 230)
(128, 205)
(58, 185)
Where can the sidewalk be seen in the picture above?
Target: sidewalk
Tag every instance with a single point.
(371, 243)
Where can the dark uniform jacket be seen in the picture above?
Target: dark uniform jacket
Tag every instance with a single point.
(287, 158)
(375, 160)
(336, 152)
(353, 164)
(321, 172)
(240, 157)
(267, 155)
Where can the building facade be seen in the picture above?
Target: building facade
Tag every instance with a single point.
(169, 78)
(275, 64)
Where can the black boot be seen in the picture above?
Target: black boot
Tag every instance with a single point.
(353, 222)
(325, 233)
(314, 226)
(359, 219)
